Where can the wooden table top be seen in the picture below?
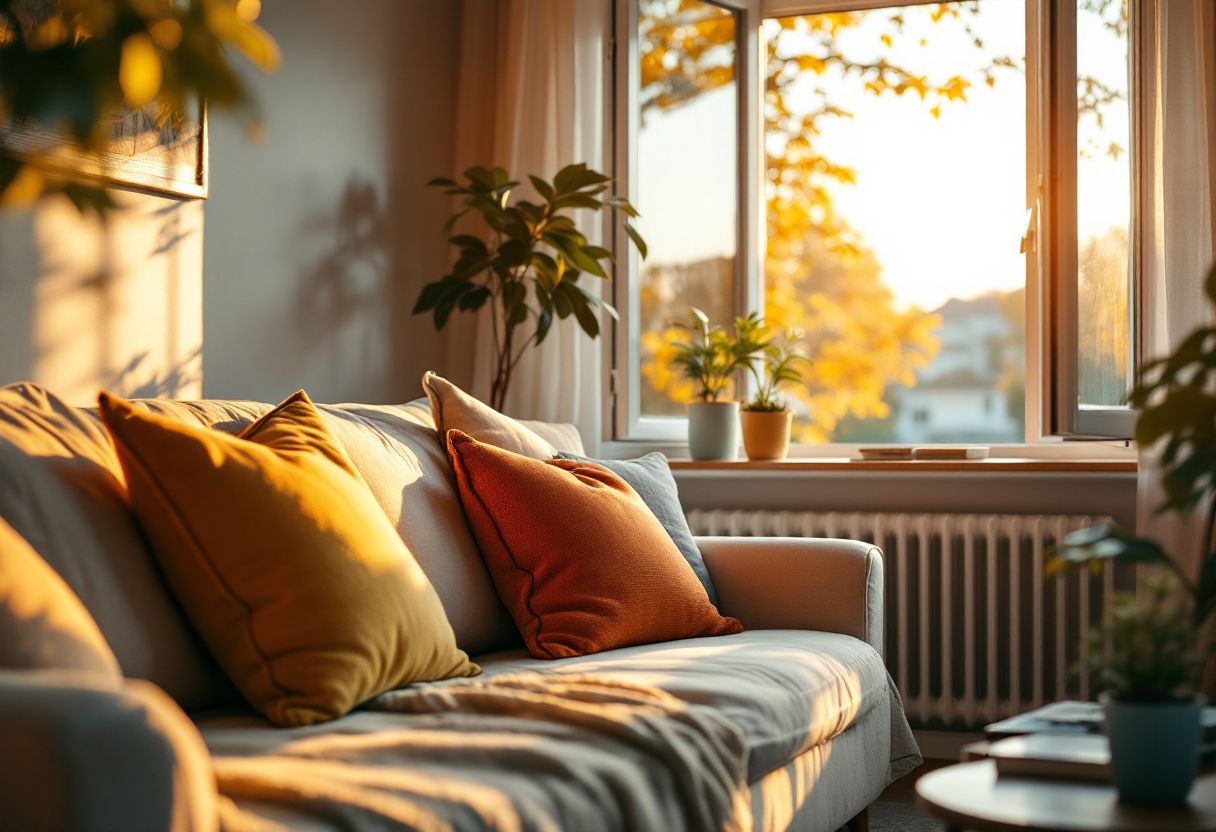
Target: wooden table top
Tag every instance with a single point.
(970, 796)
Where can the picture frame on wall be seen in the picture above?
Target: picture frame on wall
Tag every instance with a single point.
(146, 149)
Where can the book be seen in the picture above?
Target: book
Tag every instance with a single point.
(1051, 755)
(948, 452)
(887, 452)
(1071, 716)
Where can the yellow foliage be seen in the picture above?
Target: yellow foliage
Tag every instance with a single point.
(819, 275)
(139, 73)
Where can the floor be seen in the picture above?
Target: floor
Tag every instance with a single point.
(896, 809)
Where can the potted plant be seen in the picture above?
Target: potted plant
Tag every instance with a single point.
(711, 358)
(766, 419)
(1155, 653)
(530, 266)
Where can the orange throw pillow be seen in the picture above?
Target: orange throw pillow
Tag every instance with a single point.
(577, 557)
(283, 560)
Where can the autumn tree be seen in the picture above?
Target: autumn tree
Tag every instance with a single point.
(819, 275)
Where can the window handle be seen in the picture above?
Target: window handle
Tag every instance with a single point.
(1028, 236)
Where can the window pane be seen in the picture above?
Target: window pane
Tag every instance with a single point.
(688, 165)
(1103, 202)
(896, 201)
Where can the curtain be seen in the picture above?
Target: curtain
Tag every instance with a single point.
(531, 99)
(1181, 227)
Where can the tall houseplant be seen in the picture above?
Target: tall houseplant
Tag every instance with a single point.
(1155, 652)
(529, 267)
(711, 358)
(766, 419)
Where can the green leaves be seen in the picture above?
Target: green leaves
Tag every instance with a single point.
(530, 262)
(1096, 545)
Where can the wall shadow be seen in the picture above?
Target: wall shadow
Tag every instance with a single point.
(423, 135)
(344, 289)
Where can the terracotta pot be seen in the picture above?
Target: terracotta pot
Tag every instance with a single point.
(767, 435)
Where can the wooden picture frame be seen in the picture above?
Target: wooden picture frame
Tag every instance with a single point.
(146, 150)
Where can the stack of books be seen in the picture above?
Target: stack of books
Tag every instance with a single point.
(1061, 741)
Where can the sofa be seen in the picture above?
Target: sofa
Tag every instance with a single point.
(803, 689)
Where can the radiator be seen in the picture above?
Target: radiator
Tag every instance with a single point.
(972, 632)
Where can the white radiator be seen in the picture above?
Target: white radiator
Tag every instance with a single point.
(972, 632)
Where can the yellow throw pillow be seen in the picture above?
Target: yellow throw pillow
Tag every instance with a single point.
(283, 560)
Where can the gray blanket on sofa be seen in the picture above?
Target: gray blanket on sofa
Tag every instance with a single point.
(521, 752)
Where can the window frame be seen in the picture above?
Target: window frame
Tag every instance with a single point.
(1061, 414)
(1051, 262)
(625, 420)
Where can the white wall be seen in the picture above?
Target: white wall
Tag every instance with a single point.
(86, 305)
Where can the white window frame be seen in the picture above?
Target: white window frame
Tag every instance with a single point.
(1061, 414)
(1051, 275)
(624, 419)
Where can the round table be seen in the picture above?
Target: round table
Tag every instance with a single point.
(971, 797)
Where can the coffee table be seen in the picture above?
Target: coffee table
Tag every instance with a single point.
(969, 796)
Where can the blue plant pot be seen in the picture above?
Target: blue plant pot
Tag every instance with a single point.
(1154, 748)
(713, 430)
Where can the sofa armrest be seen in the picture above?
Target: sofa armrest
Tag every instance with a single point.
(79, 754)
(795, 583)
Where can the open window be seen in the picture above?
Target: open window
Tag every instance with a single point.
(1090, 199)
(942, 195)
(687, 106)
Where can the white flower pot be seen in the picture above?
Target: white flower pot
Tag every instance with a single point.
(713, 430)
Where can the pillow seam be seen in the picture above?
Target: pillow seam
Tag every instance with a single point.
(181, 523)
(510, 555)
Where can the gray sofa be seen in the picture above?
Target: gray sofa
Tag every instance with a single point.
(805, 683)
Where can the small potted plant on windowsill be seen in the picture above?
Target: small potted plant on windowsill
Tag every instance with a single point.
(1150, 650)
(711, 358)
(766, 419)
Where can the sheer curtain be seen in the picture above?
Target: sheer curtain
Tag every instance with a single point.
(531, 99)
(1181, 228)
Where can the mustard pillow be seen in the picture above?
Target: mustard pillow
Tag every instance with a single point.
(283, 560)
(42, 622)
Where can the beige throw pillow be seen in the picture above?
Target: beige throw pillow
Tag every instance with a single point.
(42, 622)
(454, 409)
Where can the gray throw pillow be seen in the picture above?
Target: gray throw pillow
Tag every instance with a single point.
(652, 479)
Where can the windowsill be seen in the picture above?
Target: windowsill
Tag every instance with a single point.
(815, 457)
(1013, 465)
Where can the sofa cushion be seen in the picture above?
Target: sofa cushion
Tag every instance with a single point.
(454, 409)
(399, 455)
(283, 560)
(42, 622)
(62, 489)
(577, 557)
(789, 690)
(651, 477)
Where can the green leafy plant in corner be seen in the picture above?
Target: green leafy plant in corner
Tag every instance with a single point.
(1149, 648)
(780, 364)
(712, 356)
(1153, 653)
(529, 268)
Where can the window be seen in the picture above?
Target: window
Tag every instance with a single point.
(687, 125)
(1091, 155)
(889, 160)
(688, 184)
